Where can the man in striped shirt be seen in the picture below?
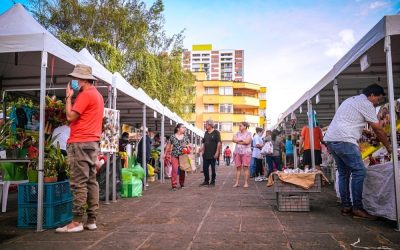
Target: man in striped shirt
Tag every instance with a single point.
(341, 137)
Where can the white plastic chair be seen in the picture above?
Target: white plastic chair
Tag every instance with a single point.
(4, 187)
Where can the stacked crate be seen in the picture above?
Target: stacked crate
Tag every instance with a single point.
(57, 204)
(291, 198)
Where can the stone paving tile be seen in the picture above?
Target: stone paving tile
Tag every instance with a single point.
(301, 240)
(121, 240)
(220, 217)
(47, 245)
(254, 224)
(370, 239)
(241, 237)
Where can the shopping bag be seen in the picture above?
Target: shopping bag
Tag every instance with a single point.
(184, 163)
(267, 149)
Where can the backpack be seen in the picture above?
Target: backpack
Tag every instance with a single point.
(268, 148)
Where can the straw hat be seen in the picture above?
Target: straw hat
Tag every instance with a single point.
(82, 71)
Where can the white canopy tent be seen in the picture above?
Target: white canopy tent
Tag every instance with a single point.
(32, 60)
(379, 54)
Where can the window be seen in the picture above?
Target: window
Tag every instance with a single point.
(193, 108)
(195, 55)
(225, 108)
(208, 108)
(209, 91)
(225, 90)
(262, 96)
(205, 54)
(262, 112)
(226, 127)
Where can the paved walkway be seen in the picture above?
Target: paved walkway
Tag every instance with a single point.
(220, 217)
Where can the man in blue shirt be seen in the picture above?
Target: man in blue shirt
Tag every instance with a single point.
(289, 151)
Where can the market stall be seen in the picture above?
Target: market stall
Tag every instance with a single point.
(374, 59)
(30, 55)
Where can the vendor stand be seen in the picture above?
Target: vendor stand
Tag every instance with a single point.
(369, 61)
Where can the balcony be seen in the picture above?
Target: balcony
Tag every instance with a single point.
(218, 117)
(245, 101)
(263, 104)
(216, 99)
(246, 85)
(226, 136)
(246, 118)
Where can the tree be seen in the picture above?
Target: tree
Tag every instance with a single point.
(125, 36)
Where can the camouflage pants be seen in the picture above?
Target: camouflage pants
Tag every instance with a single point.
(82, 157)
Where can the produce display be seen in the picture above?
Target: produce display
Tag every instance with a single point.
(369, 144)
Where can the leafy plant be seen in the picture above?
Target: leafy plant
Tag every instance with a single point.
(5, 132)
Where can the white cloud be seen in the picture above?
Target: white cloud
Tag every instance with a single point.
(378, 4)
(338, 48)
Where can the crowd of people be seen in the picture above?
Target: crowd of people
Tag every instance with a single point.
(254, 156)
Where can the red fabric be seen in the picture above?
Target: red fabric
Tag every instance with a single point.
(305, 132)
(228, 152)
(90, 106)
(174, 173)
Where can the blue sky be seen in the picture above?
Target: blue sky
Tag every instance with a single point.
(289, 44)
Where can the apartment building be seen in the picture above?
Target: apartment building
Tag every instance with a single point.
(224, 65)
(227, 103)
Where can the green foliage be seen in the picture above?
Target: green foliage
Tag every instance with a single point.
(5, 132)
(125, 36)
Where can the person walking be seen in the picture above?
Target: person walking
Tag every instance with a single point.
(256, 154)
(227, 156)
(289, 152)
(305, 146)
(85, 117)
(177, 142)
(341, 137)
(276, 159)
(242, 153)
(211, 150)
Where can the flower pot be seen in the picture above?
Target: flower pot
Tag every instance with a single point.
(50, 179)
(33, 175)
(12, 153)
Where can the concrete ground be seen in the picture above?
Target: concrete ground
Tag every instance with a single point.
(220, 217)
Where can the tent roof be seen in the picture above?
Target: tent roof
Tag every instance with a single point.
(20, 32)
(347, 71)
(22, 39)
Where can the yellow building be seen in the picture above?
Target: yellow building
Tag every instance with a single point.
(227, 103)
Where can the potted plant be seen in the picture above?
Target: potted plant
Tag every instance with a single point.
(55, 163)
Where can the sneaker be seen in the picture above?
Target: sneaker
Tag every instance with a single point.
(174, 189)
(362, 214)
(346, 211)
(212, 183)
(65, 229)
(90, 226)
(263, 178)
(257, 179)
(205, 183)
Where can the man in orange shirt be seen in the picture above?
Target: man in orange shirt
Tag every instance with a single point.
(305, 146)
(85, 117)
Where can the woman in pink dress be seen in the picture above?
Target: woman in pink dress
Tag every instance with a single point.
(242, 153)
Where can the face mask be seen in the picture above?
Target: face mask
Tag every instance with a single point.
(75, 85)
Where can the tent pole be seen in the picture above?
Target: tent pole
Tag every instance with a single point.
(114, 166)
(144, 139)
(336, 92)
(39, 225)
(311, 131)
(393, 126)
(162, 147)
(107, 200)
